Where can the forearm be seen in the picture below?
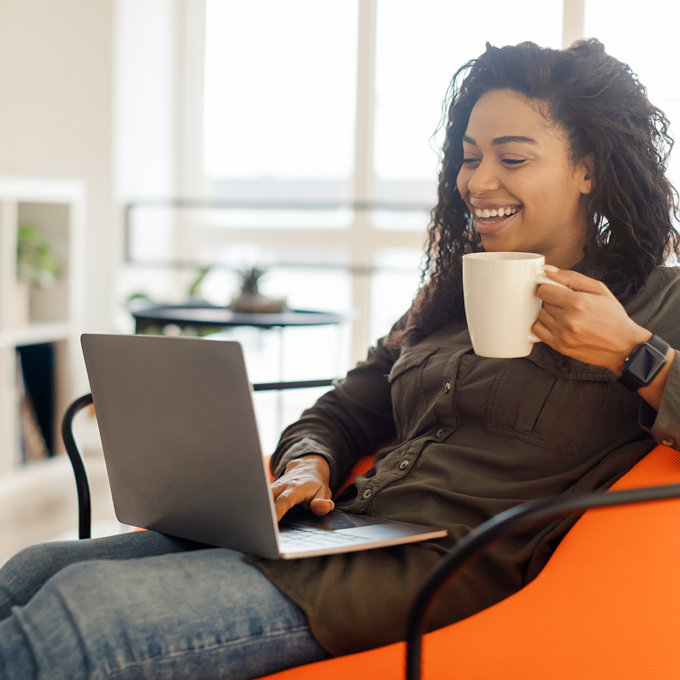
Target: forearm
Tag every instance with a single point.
(336, 430)
(347, 423)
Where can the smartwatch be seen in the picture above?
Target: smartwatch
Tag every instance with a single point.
(644, 363)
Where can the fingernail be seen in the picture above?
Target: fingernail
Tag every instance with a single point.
(550, 268)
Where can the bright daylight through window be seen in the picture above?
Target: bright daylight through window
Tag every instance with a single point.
(280, 93)
(302, 97)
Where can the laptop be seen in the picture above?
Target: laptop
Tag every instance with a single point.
(183, 454)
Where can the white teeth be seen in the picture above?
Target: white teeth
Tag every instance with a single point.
(501, 212)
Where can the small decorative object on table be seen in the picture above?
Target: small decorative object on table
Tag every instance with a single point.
(250, 300)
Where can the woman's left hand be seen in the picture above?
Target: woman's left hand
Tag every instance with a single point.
(586, 322)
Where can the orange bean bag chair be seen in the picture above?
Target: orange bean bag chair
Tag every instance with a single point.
(606, 606)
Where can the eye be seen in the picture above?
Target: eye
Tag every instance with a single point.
(513, 162)
(470, 162)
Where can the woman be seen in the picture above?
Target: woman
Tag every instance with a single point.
(554, 152)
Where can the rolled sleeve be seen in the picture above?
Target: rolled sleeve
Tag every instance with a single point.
(347, 423)
(664, 425)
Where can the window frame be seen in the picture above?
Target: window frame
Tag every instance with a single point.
(362, 239)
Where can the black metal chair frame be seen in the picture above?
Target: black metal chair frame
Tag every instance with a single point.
(472, 546)
(82, 483)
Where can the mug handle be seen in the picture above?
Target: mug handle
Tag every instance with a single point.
(540, 279)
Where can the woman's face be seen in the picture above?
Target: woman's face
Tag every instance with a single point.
(519, 183)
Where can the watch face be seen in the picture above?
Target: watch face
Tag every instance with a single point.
(645, 363)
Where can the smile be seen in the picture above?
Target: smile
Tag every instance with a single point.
(500, 212)
(492, 220)
(489, 221)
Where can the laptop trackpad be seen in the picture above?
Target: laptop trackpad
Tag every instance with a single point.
(299, 518)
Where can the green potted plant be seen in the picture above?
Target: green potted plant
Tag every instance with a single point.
(37, 266)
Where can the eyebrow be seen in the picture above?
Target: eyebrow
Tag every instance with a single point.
(504, 140)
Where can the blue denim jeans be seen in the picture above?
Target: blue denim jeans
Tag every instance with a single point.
(142, 606)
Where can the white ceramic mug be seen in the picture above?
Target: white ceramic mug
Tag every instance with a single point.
(501, 303)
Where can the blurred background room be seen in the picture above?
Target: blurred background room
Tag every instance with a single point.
(169, 155)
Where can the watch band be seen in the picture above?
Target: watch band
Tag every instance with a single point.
(643, 364)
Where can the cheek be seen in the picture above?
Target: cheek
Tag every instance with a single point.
(541, 194)
(463, 180)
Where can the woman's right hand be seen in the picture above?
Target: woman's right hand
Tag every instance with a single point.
(305, 482)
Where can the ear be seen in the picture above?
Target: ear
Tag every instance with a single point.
(584, 169)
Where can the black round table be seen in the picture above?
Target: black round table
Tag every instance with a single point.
(206, 319)
(212, 317)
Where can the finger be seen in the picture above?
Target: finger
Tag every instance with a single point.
(542, 332)
(554, 296)
(321, 506)
(283, 503)
(576, 281)
(549, 316)
(290, 496)
(278, 487)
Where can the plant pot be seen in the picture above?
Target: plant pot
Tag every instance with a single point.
(254, 303)
(22, 304)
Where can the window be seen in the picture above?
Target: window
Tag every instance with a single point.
(631, 34)
(306, 102)
(280, 94)
(419, 46)
(309, 101)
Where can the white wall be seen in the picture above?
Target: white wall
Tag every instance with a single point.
(92, 89)
(56, 116)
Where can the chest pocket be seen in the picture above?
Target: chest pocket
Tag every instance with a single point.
(409, 394)
(545, 405)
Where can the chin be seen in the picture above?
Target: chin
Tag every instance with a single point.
(496, 245)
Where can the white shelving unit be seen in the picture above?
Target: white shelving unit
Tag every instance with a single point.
(56, 207)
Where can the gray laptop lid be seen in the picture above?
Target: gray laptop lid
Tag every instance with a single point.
(169, 464)
(183, 454)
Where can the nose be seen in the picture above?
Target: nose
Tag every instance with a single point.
(483, 178)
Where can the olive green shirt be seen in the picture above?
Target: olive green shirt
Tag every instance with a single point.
(471, 437)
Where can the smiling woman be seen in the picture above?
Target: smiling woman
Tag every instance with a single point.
(587, 183)
(556, 152)
(520, 183)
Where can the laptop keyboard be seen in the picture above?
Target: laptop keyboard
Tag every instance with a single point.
(318, 538)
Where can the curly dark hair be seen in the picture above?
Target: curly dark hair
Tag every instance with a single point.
(604, 111)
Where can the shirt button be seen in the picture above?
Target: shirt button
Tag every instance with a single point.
(366, 494)
(441, 432)
(447, 387)
(668, 442)
(403, 465)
